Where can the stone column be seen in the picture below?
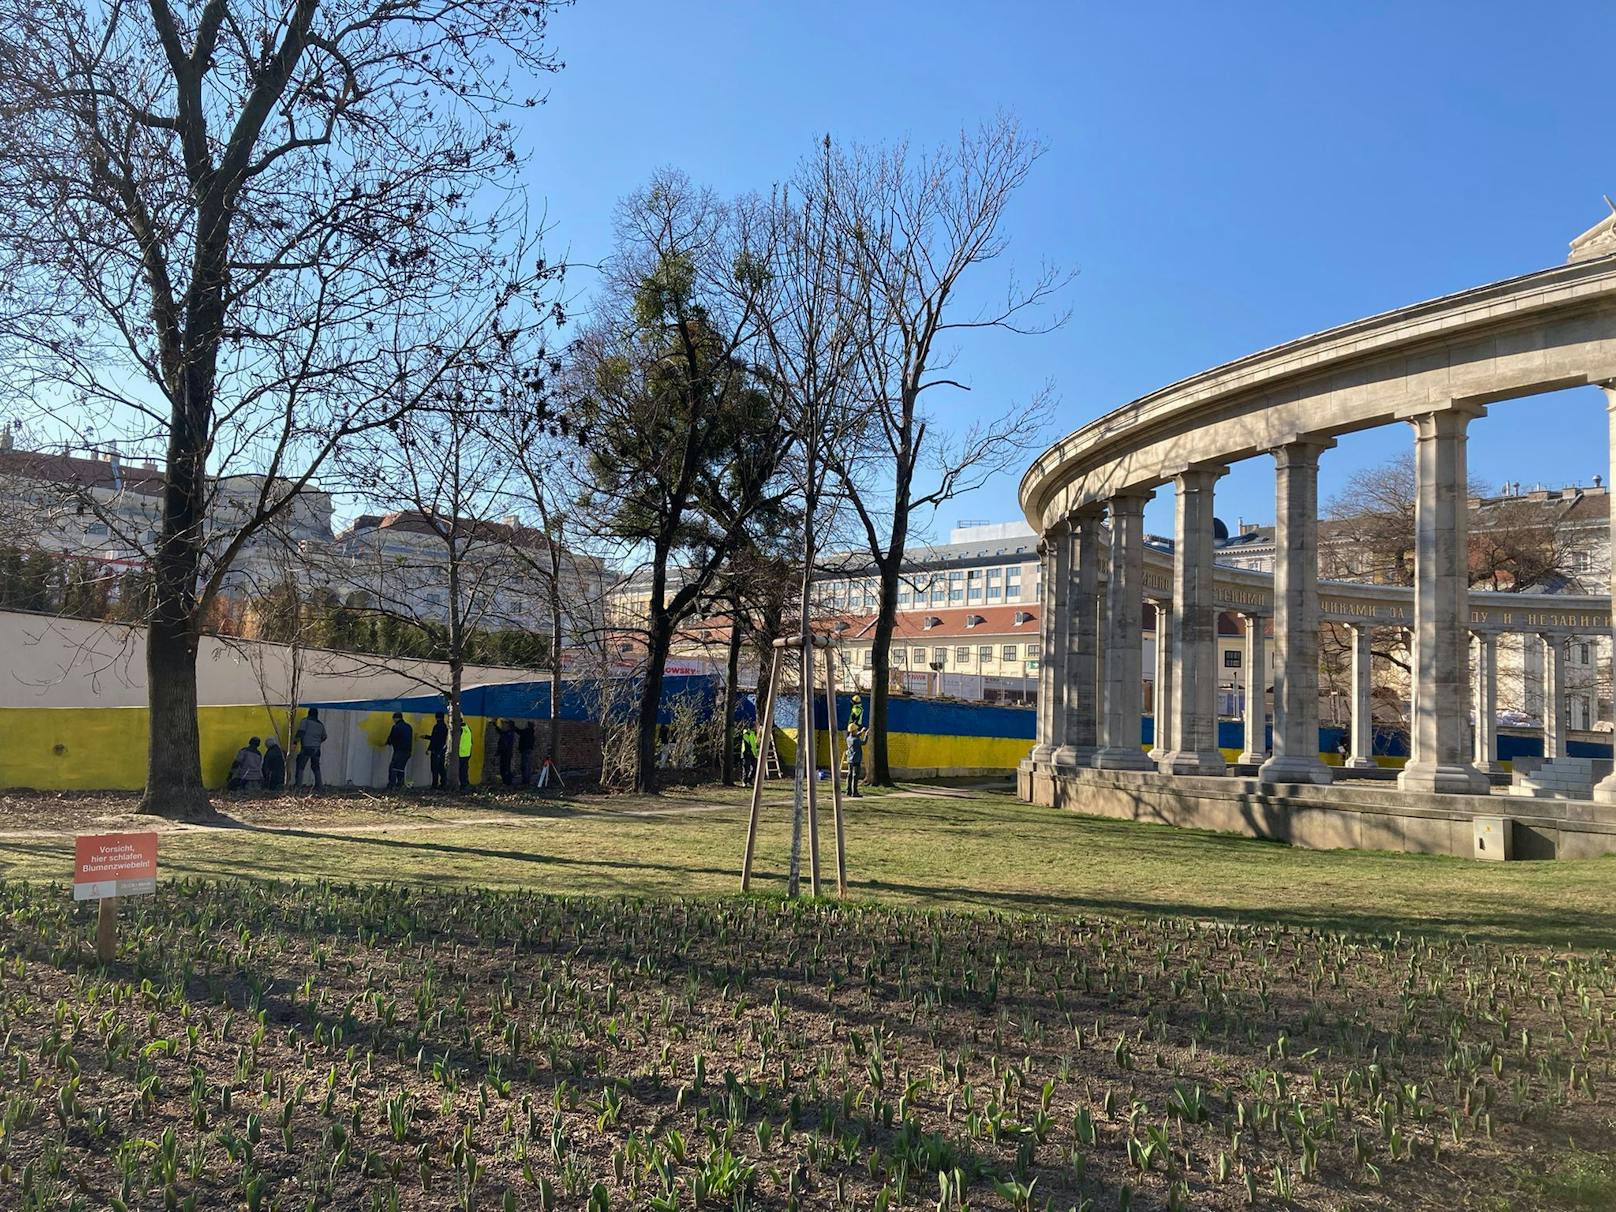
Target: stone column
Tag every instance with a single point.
(1119, 746)
(1554, 697)
(1296, 615)
(1605, 789)
(1161, 695)
(1193, 697)
(1441, 760)
(1049, 608)
(1411, 642)
(1486, 645)
(1362, 755)
(1256, 721)
(1083, 616)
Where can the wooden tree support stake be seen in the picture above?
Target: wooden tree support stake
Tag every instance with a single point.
(835, 768)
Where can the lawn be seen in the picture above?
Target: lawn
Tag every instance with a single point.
(962, 851)
(414, 1009)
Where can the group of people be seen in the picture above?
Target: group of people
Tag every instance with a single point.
(261, 765)
(254, 768)
(857, 734)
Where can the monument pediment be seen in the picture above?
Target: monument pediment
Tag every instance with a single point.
(1599, 240)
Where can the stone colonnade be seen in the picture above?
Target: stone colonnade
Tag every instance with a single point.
(1090, 694)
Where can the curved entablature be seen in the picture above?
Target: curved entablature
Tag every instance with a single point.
(1540, 332)
(1243, 590)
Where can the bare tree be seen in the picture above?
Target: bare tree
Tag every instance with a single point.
(685, 443)
(548, 549)
(921, 227)
(436, 562)
(241, 235)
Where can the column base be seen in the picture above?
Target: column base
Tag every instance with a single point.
(1490, 767)
(1189, 761)
(1605, 790)
(1457, 778)
(1294, 770)
(1041, 755)
(1249, 758)
(1121, 757)
(1071, 757)
(1360, 763)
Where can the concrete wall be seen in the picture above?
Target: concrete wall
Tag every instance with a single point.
(1328, 817)
(52, 662)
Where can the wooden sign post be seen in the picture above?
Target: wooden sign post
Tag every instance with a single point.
(107, 866)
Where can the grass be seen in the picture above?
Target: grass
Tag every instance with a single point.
(984, 851)
(1578, 1181)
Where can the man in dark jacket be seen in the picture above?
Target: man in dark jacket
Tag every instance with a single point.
(310, 736)
(855, 759)
(437, 749)
(526, 739)
(247, 771)
(274, 765)
(506, 749)
(401, 740)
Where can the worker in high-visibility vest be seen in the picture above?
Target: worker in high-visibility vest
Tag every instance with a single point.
(465, 755)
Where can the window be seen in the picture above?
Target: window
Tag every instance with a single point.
(984, 654)
(919, 655)
(1009, 653)
(938, 595)
(900, 656)
(1033, 651)
(974, 594)
(904, 597)
(1581, 561)
(1231, 658)
(962, 656)
(956, 595)
(869, 657)
(994, 592)
(955, 577)
(1583, 654)
(96, 528)
(994, 574)
(939, 656)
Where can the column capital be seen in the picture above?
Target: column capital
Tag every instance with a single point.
(1200, 475)
(1300, 450)
(1442, 419)
(1130, 501)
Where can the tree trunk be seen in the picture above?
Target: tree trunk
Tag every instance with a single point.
(174, 752)
(886, 623)
(554, 745)
(658, 641)
(732, 677)
(451, 754)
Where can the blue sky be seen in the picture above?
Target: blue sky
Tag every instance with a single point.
(1223, 177)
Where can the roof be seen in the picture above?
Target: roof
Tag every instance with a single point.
(953, 623)
(106, 475)
(415, 521)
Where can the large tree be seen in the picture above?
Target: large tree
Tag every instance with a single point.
(241, 234)
(923, 228)
(685, 442)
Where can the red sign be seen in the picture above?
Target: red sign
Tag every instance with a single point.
(114, 864)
